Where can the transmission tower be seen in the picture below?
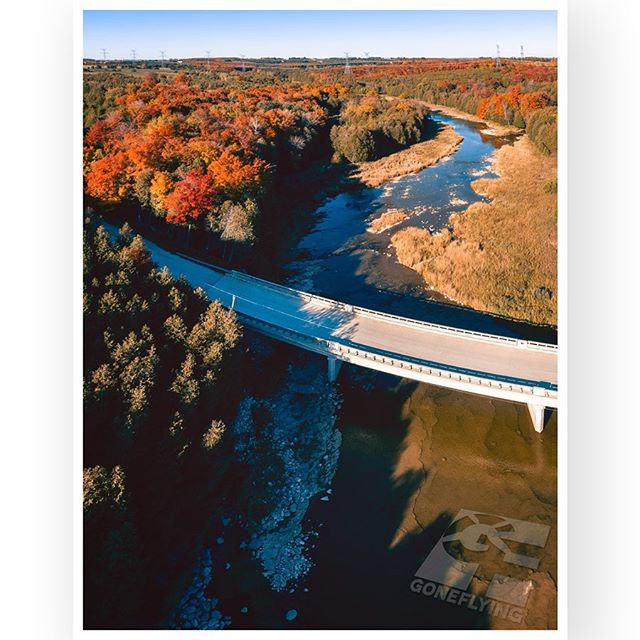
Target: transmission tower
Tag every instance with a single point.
(347, 66)
(366, 54)
(521, 52)
(243, 65)
(497, 56)
(208, 59)
(104, 54)
(133, 54)
(162, 55)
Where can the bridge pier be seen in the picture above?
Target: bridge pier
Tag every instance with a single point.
(536, 411)
(333, 367)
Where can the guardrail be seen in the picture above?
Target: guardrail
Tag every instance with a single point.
(334, 347)
(380, 315)
(388, 317)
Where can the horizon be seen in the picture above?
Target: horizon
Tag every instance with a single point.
(318, 34)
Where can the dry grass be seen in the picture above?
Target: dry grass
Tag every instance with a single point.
(387, 220)
(502, 255)
(411, 160)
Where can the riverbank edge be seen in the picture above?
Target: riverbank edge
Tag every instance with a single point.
(411, 160)
(490, 128)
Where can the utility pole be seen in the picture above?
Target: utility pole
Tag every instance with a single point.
(347, 66)
(497, 56)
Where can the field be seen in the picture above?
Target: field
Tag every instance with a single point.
(500, 256)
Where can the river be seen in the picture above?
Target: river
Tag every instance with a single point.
(341, 260)
(353, 486)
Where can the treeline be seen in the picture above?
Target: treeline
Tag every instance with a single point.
(199, 157)
(160, 381)
(519, 94)
(371, 127)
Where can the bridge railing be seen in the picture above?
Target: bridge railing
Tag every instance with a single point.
(380, 315)
(394, 319)
(407, 363)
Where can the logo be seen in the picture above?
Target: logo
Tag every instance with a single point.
(477, 541)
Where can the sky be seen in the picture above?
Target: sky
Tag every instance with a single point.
(318, 34)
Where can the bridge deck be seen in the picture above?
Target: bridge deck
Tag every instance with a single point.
(501, 358)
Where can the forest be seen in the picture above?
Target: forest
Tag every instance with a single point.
(521, 94)
(372, 127)
(161, 380)
(208, 154)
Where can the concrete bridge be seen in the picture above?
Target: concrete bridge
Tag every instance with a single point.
(473, 362)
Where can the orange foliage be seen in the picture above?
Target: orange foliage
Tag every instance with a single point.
(203, 146)
(192, 198)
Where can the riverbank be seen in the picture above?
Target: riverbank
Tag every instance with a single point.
(490, 128)
(498, 256)
(411, 160)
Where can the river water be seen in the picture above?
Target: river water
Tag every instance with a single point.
(350, 488)
(341, 260)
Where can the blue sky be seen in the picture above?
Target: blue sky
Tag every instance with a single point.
(446, 34)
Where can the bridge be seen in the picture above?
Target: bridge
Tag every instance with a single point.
(489, 365)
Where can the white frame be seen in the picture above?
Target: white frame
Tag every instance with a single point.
(560, 7)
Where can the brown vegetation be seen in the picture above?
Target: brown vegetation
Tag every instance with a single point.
(500, 256)
(387, 220)
(411, 160)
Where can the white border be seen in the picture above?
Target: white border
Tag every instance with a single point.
(560, 7)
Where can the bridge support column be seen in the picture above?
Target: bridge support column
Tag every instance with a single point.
(536, 411)
(333, 367)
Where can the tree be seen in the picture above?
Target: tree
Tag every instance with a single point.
(237, 220)
(192, 198)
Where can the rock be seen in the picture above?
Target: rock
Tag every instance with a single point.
(292, 614)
